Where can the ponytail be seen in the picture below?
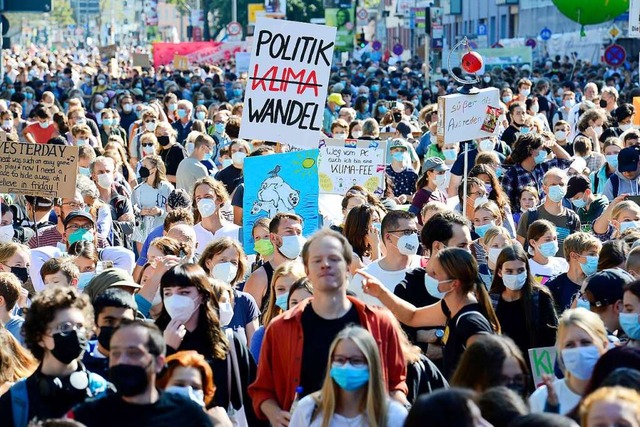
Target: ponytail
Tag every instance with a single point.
(486, 307)
(422, 181)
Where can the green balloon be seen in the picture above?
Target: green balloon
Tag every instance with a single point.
(588, 12)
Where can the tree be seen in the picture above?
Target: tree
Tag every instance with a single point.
(62, 14)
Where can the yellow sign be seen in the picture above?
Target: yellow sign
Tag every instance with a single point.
(254, 8)
(614, 31)
(180, 62)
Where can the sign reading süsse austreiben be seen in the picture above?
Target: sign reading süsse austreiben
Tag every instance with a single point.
(46, 170)
(287, 84)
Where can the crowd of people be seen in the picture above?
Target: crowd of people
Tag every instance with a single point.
(134, 302)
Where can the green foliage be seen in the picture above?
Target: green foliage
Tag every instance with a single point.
(62, 14)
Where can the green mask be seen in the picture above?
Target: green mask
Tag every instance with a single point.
(264, 247)
(80, 234)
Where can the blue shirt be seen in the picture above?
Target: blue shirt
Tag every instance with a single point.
(245, 310)
(153, 234)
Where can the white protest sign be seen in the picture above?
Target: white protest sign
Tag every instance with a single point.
(462, 117)
(542, 360)
(287, 83)
(634, 18)
(242, 62)
(345, 163)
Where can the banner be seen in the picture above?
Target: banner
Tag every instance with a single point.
(343, 20)
(45, 170)
(634, 18)
(196, 52)
(287, 83)
(285, 182)
(463, 117)
(275, 8)
(542, 363)
(342, 164)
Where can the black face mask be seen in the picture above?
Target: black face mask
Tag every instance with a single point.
(144, 172)
(603, 103)
(68, 346)
(21, 273)
(164, 140)
(105, 336)
(129, 380)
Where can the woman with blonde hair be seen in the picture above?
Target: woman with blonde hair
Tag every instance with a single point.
(494, 239)
(16, 258)
(615, 406)
(116, 143)
(353, 391)
(620, 216)
(581, 340)
(15, 361)
(283, 278)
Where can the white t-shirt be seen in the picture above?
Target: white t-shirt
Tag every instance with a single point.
(567, 398)
(204, 236)
(396, 414)
(543, 273)
(388, 278)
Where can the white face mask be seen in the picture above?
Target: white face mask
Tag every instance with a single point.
(179, 307)
(356, 134)
(188, 392)
(224, 271)
(440, 180)
(148, 149)
(340, 136)
(486, 145)
(292, 246)
(408, 245)
(226, 313)
(515, 282)
(189, 147)
(525, 92)
(150, 126)
(493, 254)
(238, 158)
(626, 127)
(598, 130)
(7, 125)
(6, 233)
(480, 201)
(105, 180)
(561, 135)
(206, 207)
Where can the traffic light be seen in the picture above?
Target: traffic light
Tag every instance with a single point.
(361, 41)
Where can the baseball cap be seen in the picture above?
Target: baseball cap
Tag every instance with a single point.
(78, 214)
(336, 98)
(435, 163)
(397, 143)
(577, 184)
(109, 278)
(579, 164)
(607, 286)
(628, 159)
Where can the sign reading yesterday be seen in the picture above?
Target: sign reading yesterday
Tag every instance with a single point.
(46, 170)
(287, 84)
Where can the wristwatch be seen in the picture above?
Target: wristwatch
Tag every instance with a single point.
(439, 336)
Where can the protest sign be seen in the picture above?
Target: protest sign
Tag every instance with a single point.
(285, 182)
(242, 62)
(180, 62)
(46, 170)
(108, 52)
(344, 163)
(461, 117)
(141, 60)
(196, 52)
(542, 363)
(634, 18)
(636, 115)
(287, 84)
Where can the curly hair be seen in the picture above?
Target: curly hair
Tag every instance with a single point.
(43, 310)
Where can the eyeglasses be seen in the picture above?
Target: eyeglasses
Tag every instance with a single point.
(75, 205)
(354, 360)
(76, 227)
(406, 232)
(67, 327)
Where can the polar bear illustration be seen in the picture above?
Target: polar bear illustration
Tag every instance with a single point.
(275, 195)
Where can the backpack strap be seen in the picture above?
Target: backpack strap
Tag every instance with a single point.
(464, 314)
(20, 403)
(615, 184)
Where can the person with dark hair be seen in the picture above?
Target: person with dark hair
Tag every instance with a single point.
(56, 330)
(362, 228)
(501, 405)
(543, 420)
(42, 130)
(446, 230)
(110, 308)
(604, 292)
(613, 254)
(630, 317)
(517, 126)
(454, 407)
(136, 358)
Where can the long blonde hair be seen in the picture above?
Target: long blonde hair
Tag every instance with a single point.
(9, 249)
(289, 268)
(374, 404)
(15, 361)
(586, 320)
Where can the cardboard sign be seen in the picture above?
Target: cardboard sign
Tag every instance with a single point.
(461, 117)
(180, 62)
(141, 60)
(108, 52)
(344, 163)
(636, 115)
(285, 182)
(45, 170)
(542, 362)
(287, 84)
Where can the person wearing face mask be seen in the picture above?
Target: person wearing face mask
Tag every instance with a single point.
(428, 186)
(188, 374)
(403, 176)
(110, 127)
(562, 113)
(623, 116)
(494, 239)
(626, 180)
(109, 309)
(191, 168)
(562, 133)
(566, 221)
(172, 153)
(127, 114)
(518, 117)
(362, 228)
(191, 319)
(137, 400)
(285, 234)
(533, 110)
(581, 340)
(111, 192)
(42, 130)
(238, 311)
(56, 330)
(588, 206)
(339, 129)
(11, 291)
(399, 233)
(524, 308)
(610, 149)
(523, 89)
(201, 114)
(334, 101)
(183, 125)
(149, 198)
(355, 129)
(542, 240)
(629, 318)
(591, 125)
(609, 99)
(232, 174)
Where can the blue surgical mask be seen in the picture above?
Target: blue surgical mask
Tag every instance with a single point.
(557, 193)
(201, 115)
(583, 303)
(84, 171)
(84, 279)
(107, 122)
(629, 224)
(219, 127)
(524, 130)
(182, 113)
(506, 99)
(590, 266)
(80, 234)
(499, 172)
(375, 88)
(349, 377)
(481, 230)
(382, 110)
(398, 156)
(450, 154)
(612, 160)
(548, 249)
(281, 301)
(630, 324)
(580, 361)
(541, 157)
(432, 287)
(579, 203)
(237, 93)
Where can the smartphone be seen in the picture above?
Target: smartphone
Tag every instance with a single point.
(635, 199)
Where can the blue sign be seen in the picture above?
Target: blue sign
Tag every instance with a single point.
(615, 55)
(482, 30)
(545, 34)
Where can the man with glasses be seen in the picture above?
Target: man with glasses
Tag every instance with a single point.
(136, 357)
(399, 232)
(56, 331)
(53, 235)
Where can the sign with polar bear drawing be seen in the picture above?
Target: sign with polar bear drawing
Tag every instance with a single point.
(285, 182)
(345, 163)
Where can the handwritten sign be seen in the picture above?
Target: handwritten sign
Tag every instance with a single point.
(108, 52)
(542, 363)
(46, 170)
(342, 164)
(180, 62)
(461, 116)
(287, 84)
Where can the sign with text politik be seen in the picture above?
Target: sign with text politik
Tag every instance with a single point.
(287, 83)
